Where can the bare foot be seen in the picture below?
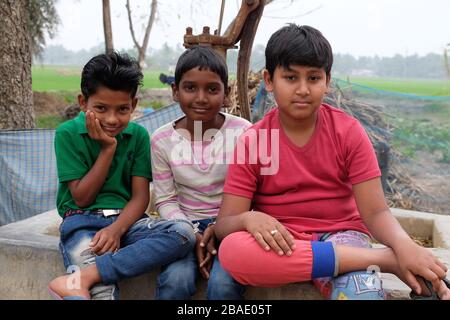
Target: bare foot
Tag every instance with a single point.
(427, 290)
(443, 291)
(68, 285)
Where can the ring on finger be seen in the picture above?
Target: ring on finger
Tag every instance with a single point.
(273, 232)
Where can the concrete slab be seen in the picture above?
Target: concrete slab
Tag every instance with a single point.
(425, 224)
(29, 259)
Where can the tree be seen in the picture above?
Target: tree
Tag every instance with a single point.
(107, 27)
(42, 19)
(16, 101)
(24, 24)
(142, 49)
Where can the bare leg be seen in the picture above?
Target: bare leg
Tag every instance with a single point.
(76, 284)
(355, 259)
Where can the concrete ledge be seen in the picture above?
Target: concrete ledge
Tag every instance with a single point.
(29, 259)
(425, 224)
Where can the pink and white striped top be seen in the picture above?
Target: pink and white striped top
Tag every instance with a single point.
(188, 176)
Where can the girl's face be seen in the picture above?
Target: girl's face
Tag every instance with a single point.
(201, 94)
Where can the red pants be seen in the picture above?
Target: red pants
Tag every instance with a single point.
(248, 263)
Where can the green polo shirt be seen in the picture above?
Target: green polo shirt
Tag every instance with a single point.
(76, 153)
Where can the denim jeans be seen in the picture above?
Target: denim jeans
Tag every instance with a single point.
(177, 280)
(149, 243)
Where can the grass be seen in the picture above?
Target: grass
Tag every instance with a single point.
(440, 110)
(69, 97)
(414, 135)
(56, 78)
(48, 121)
(424, 87)
(149, 103)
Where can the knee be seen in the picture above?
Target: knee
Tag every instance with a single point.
(233, 250)
(79, 253)
(185, 230)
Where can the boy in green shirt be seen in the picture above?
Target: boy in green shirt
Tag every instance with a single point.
(104, 171)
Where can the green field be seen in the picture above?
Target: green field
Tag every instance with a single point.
(423, 87)
(53, 78)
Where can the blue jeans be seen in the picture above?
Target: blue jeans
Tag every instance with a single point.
(149, 243)
(177, 280)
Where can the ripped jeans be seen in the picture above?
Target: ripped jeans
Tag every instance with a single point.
(148, 244)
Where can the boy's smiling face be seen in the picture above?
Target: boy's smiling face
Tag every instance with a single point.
(201, 94)
(298, 90)
(112, 108)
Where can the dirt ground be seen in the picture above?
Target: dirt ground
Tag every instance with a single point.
(425, 169)
(433, 177)
(46, 103)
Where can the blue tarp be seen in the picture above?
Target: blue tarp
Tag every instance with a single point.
(28, 178)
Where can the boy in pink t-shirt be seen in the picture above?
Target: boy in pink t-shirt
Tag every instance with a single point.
(304, 193)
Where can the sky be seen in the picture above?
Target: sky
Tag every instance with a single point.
(358, 27)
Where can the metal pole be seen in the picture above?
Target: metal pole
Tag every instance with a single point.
(221, 18)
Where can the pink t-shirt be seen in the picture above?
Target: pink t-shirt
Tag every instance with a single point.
(309, 188)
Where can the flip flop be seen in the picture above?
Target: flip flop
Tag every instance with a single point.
(433, 294)
(56, 296)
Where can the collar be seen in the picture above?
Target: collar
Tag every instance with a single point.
(80, 123)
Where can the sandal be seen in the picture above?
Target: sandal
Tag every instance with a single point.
(56, 296)
(432, 294)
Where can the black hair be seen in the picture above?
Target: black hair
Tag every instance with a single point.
(114, 71)
(204, 58)
(298, 45)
